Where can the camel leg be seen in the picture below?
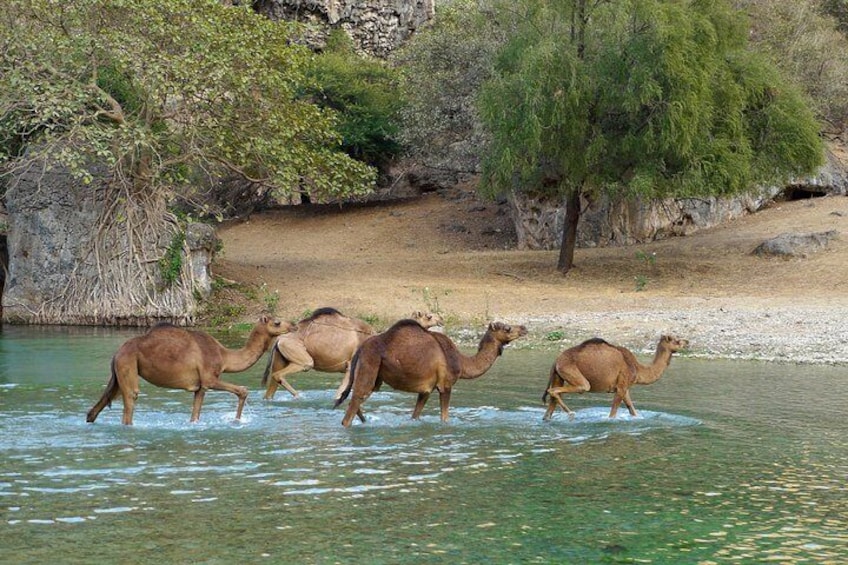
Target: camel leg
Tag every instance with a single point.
(616, 401)
(345, 381)
(629, 404)
(198, 402)
(127, 377)
(552, 405)
(353, 409)
(419, 404)
(238, 390)
(129, 406)
(279, 378)
(111, 393)
(291, 353)
(444, 403)
(572, 383)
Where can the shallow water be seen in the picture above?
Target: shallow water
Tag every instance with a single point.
(729, 462)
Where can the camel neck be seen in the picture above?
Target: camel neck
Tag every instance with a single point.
(237, 360)
(651, 373)
(487, 353)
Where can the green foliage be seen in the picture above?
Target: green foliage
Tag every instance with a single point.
(171, 264)
(161, 91)
(647, 97)
(365, 93)
(270, 299)
(556, 335)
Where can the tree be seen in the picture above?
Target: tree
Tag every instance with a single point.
(163, 91)
(142, 100)
(365, 93)
(638, 98)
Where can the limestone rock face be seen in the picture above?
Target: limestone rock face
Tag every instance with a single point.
(539, 221)
(377, 27)
(72, 260)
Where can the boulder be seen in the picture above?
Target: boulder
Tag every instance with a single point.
(789, 245)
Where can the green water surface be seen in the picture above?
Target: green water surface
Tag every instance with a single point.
(729, 462)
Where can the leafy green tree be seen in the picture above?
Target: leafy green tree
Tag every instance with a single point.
(136, 101)
(638, 97)
(164, 91)
(365, 92)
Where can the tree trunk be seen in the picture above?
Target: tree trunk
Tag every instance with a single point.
(569, 232)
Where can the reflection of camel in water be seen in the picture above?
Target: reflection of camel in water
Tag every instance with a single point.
(173, 357)
(326, 342)
(598, 366)
(409, 358)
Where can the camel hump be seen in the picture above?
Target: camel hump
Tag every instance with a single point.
(326, 311)
(405, 323)
(596, 341)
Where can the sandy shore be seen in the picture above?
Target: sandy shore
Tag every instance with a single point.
(797, 334)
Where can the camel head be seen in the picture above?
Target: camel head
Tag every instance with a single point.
(275, 327)
(427, 319)
(505, 333)
(673, 344)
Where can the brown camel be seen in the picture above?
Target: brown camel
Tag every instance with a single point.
(408, 357)
(598, 366)
(326, 342)
(173, 357)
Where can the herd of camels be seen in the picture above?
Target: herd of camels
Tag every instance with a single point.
(412, 356)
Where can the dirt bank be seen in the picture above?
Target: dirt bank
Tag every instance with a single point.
(455, 254)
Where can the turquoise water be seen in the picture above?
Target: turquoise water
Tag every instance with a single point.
(730, 462)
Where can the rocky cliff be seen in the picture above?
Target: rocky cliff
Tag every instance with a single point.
(377, 27)
(78, 255)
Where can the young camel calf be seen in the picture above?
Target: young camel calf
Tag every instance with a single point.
(598, 366)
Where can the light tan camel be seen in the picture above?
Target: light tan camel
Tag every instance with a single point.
(326, 342)
(598, 366)
(173, 357)
(407, 357)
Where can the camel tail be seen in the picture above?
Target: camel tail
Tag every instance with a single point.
(550, 384)
(354, 363)
(112, 390)
(267, 372)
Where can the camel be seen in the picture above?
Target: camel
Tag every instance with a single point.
(407, 357)
(173, 357)
(598, 366)
(326, 342)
